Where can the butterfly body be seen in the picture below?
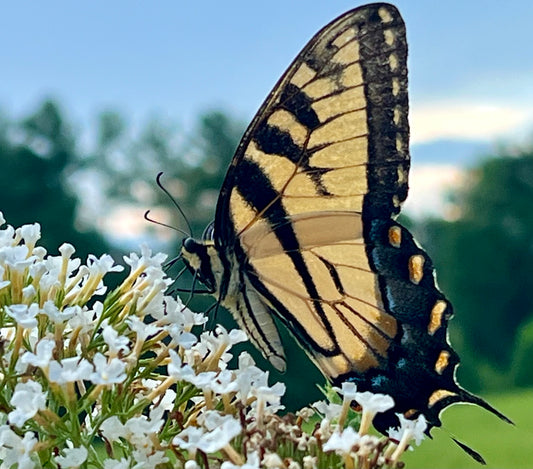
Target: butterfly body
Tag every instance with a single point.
(305, 226)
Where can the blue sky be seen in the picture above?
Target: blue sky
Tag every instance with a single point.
(178, 58)
(470, 62)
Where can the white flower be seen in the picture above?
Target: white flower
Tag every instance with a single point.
(224, 383)
(310, 462)
(27, 399)
(30, 234)
(113, 429)
(272, 461)
(16, 257)
(249, 376)
(409, 429)
(348, 391)
(329, 410)
(107, 372)
(220, 340)
(189, 318)
(367, 444)
(189, 439)
(87, 318)
(28, 293)
(39, 252)
(144, 425)
(177, 369)
(24, 315)
(100, 267)
(42, 356)
(142, 329)
(145, 260)
(17, 450)
(168, 400)
(213, 419)
(6, 236)
(180, 337)
(115, 342)
(148, 460)
(73, 458)
(305, 413)
(202, 380)
(342, 443)
(372, 404)
(66, 250)
(269, 394)
(191, 464)
(57, 316)
(193, 438)
(70, 370)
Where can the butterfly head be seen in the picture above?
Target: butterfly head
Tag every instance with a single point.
(201, 259)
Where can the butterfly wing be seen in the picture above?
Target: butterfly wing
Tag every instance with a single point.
(329, 146)
(306, 212)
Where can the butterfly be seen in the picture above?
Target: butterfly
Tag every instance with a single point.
(305, 226)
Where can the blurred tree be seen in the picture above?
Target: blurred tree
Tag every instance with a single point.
(36, 157)
(484, 260)
(193, 166)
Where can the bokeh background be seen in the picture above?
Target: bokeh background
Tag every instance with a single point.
(97, 97)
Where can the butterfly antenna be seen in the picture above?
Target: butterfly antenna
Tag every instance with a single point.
(169, 195)
(151, 220)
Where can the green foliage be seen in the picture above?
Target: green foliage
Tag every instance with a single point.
(36, 156)
(522, 370)
(484, 261)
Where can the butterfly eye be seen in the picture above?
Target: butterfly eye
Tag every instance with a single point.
(190, 245)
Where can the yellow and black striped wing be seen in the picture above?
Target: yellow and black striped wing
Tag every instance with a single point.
(328, 148)
(307, 209)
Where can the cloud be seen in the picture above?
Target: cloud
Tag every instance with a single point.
(463, 120)
(428, 189)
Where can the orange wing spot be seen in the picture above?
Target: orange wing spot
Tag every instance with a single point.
(439, 395)
(416, 268)
(442, 362)
(435, 319)
(395, 236)
(410, 413)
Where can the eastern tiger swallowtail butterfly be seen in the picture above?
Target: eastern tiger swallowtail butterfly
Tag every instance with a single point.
(305, 226)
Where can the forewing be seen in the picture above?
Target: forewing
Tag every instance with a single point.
(335, 123)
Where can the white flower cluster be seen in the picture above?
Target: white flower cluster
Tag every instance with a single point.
(119, 379)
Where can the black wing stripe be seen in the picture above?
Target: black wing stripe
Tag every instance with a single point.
(272, 140)
(294, 100)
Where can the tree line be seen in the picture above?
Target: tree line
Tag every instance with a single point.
(484, 257)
